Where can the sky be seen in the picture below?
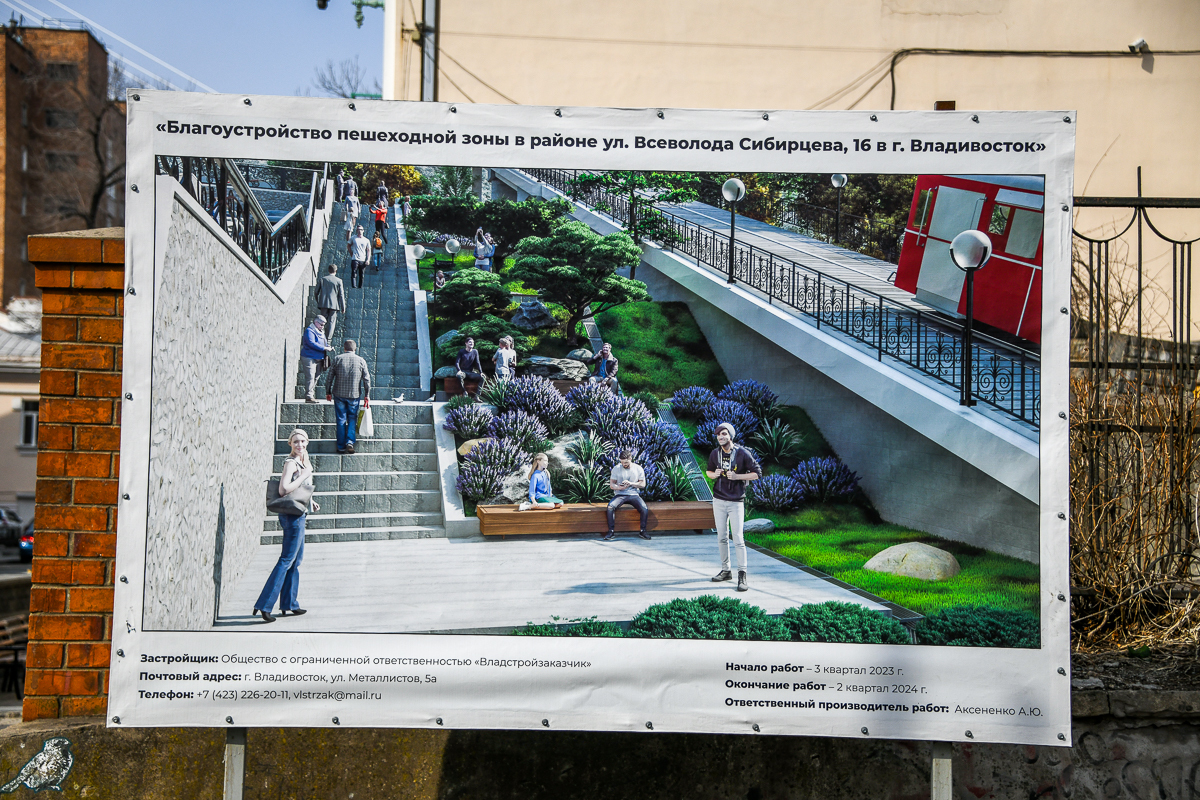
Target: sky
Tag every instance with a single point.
(233, 46)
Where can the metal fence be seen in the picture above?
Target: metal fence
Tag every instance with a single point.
(1135, 484)
(1005, 377)
(219, 186)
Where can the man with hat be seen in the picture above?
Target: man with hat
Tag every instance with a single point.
(730, 466)
(313, 347)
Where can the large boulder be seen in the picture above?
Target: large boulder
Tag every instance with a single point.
(445, 372)
(759, 526)
(516, 486)
(469, 445)
(555, 369)
(533, 316)
(445, 338)
(915, 560)
(559, 455)
(580, 354)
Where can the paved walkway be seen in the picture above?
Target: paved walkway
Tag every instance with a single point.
(451, 585)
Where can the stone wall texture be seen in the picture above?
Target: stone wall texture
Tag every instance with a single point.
(950, 498)
(221, 342)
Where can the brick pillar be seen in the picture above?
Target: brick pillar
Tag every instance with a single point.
(81, 276)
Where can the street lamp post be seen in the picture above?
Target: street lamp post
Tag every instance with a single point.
(838, 180)
(452, 247)
(969, 251)
(732, 190)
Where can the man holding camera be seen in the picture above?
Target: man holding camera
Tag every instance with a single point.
(730, 466)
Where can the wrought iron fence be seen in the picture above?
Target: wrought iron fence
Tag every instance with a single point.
(1135, 480)
(222, 190)
(1005, 377)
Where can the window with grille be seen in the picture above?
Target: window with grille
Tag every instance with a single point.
(62, 72)
(60, 118)
(29, 423)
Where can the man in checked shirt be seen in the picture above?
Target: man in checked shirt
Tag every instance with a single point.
(350, 383)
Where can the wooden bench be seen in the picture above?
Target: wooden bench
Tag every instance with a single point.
(506, 520)
(454, 387)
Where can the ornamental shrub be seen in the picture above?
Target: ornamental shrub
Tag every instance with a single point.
(707, 617)
(479, 481)
(486, 331)
(588, 449)
(472, 293)
(495, 393)
(524, 430)
(843, 622)
(502, 454)
(469, 422)
(536, 395)
(458, 401)
(658, 486)
(587, 626)
(690, 402)
(757, 396)
(661, 442)
(649, 400)
(825, 479)
(587, 485)
(737, 414)
(774, 493)
(679, 481)
(587, 397)
(777, 441)
(979, 626)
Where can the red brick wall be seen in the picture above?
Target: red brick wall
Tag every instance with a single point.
(81, 277)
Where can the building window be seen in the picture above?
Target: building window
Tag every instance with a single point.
(24, 204)
(60, 118)
(25, 114)
(61, 162)
(29, 423)
(62, 72)
(24, 159)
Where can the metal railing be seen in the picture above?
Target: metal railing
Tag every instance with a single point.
(218, 185)
(855, 232)
(1004, 376)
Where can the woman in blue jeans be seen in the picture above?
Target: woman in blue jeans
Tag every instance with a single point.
(284, 581)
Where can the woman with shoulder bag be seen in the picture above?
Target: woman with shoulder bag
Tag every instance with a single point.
(295, 495)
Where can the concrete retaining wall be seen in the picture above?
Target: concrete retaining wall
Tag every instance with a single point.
(225, 348)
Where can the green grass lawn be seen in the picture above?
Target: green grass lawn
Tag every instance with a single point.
(660, 347)
(839, 540)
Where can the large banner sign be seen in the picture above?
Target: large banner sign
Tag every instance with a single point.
(472, 416)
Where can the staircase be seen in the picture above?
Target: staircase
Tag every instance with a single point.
(390, 487)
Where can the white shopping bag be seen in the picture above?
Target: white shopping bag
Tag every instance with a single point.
(365, 427)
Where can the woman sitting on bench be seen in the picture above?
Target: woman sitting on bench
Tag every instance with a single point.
(540, 493)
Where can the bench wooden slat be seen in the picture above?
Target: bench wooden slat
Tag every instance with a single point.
(506, 520)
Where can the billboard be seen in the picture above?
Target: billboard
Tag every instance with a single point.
(552, 439)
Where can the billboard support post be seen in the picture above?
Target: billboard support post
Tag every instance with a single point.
(235, 763)
(941, 781)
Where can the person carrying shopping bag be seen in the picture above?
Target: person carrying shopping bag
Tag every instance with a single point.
(292, 502)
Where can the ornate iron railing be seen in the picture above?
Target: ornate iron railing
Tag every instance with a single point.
(1004, 376)
(218, 185)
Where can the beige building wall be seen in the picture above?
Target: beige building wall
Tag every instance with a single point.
(18, 463)
(806, 54)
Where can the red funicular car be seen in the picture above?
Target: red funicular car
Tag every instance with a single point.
(1008, 208)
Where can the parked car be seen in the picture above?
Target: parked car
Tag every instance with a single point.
(10, 527)
(26, 543)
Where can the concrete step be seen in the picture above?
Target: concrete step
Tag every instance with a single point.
(382, 430)
(385, 413)
(371, 445)
(362, 521)
(407, 500)
(369, 462)
(400, 480)
(363, 534)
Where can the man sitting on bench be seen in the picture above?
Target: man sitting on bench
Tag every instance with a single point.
(625, 481)
(467, 364)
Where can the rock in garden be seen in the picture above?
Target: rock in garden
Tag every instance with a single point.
(498, 500)
(915, 560)
(516, 486)
(445, 337)
(1084, 684)
(559, 456)
(758, 526)
(582, 354)
(469, 445)
(556, 369)
(445, 372)
(533, 315)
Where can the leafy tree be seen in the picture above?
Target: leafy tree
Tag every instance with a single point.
(508, 222)
(642, 190)
(472, 293)
(452, 181)
(576, 267)
(401, 180)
